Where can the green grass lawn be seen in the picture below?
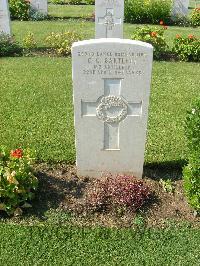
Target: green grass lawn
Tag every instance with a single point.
(70, 11)
(21, 29)
(36, 107)
(37, 111)
(86, 29)
(52, 245)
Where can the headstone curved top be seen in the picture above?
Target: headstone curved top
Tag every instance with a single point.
(109, 16)
(111, 81)
(4, 17)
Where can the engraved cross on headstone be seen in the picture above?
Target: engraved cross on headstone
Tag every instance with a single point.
(111, 109)
(109, 18)
(109, 21)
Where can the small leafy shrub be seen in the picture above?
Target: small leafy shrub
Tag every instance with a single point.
(57, 2)
(187, 48)
(167, 185)
(17, 182)
(61, 43)
(67, 2)
(154, 36)
(29, 41)
(183, 21)
(117, 193)
(74, 2)
(90, 2)
(8, 46)
(195, 17)
(19, 9)
(145, 11)
(36, 15)
(191, 172)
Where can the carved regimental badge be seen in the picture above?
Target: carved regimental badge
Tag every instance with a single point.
(108, 102)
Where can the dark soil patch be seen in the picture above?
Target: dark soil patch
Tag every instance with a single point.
(60, 188)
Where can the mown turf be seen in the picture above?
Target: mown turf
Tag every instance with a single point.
(71, 11)
(21, 245)
(37, 111)
(41, 29)
(36, 106)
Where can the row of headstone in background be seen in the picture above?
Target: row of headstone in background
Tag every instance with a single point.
(109, 16)
(111, 81)
(180, 8)
(39, 5)
(108, 20)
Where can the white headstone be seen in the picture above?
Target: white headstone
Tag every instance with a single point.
(180, 8)
(111, 81)
(109, 16)
(40, 6)
(4, 17)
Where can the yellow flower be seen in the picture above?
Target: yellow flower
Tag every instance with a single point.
(20, 190)
(11, 178)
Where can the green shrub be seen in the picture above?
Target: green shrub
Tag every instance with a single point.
(195, 17)
(191, 173)
(90, 2)
(8, 46)
(187, 48)
(61, 43)
(17, 182)
(19, 9)
(57, 2)
(145, 11)
(154, 36)
(29, 41)
(69, 2)
(74, 2)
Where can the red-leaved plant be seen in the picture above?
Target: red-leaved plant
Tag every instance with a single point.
(117, 192)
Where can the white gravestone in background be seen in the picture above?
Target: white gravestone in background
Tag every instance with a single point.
(180, 8)
(111, 81)
(4, 17)
(40, 6)
(109, 16)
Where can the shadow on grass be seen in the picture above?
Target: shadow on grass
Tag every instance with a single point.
(166, 170)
